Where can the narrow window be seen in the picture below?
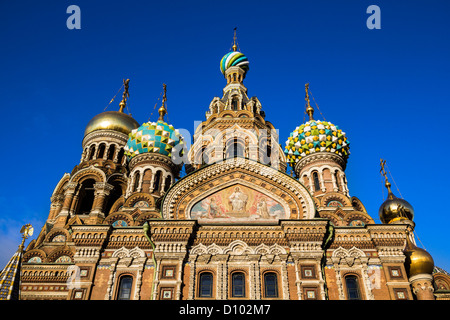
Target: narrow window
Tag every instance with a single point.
(157, 181)
(101, 151)
(86, 197)
(336, 177)
(238, 285)
(205, 286)
(316, 181)
(167, 183)
(270, 285)
(92, 152)
(234, 149)
(125, 288)
(234, 104)
(351, 283)
(137, 177)
(111, 152)
(120, 156)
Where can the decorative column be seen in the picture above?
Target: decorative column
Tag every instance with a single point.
(192, 267)
(102, 189)
(422, 285)
(322, 181)
(111, 279)
(68, 198)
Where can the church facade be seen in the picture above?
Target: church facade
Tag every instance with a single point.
(123, 225)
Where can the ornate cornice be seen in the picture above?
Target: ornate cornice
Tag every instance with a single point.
(318, 156)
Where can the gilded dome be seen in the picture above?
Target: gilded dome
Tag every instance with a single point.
(316, 136)
(112, 120)
(395, 209)
(418, 261)
(157, 137)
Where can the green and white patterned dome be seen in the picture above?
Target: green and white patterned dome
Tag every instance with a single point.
(316, 136)
(153, 137)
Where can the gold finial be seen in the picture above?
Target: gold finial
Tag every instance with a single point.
(162, 110)
(27, 231)
(234, 40)
(387, 183)
(309, 109)
(125, 95)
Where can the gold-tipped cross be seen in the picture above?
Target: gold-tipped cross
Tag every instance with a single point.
(125, 96)
(162, 111)
(234, 40)
(384, 174)
(309, 109)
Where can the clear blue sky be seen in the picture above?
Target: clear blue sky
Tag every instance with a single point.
(388, 89)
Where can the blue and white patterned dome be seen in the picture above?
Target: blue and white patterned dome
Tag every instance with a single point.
(157, 137)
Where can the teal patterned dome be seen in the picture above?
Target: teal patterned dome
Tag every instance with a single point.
(316, 136)
(232, 59)
(157, 137)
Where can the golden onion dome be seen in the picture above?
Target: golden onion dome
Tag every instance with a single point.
(394, 210)
(112, 120)
(418, 261)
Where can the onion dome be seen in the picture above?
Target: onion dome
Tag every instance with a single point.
(154, 137)
(234, 59)
(316, 136)
(394, 210)
(157, 137)
(418, 261)
(114, 120)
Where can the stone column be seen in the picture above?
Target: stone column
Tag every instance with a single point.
(68, 198)
(102, 189)
(422, 285)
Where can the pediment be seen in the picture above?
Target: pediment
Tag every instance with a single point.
(285, 197)
(236, 203)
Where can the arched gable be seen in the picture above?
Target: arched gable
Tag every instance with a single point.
(291, 194)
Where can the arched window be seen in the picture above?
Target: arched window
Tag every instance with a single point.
(316, 181)
(137, 177)
(351, 282)
(125, 285)
(101, 151)
(167, 183)
(238, 285)
(120, 156)
(338, 182)
(86, 197)
(91, 152)
(157, 182)
(270, 285)
(111, 152)
(205, 285)
(234, 104)
(234, 149)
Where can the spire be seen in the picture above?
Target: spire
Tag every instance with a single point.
(309, 109)
(125, 95)
(387, 183)
(234, 41)
(10, 275)
(163, 111)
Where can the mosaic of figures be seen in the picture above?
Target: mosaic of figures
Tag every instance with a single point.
(237, 203)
